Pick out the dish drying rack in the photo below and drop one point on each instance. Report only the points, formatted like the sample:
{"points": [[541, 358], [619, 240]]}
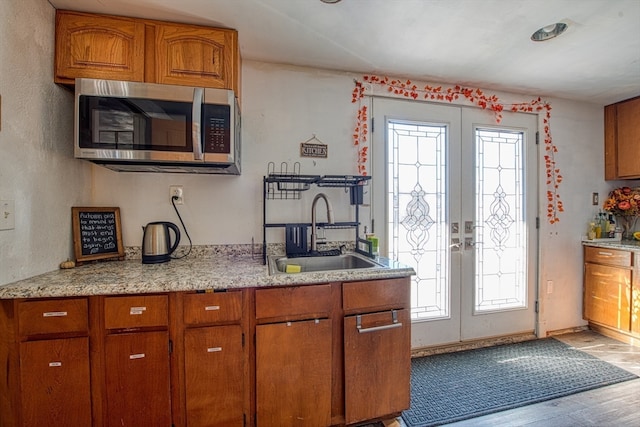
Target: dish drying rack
{"points": [[285, 185]]}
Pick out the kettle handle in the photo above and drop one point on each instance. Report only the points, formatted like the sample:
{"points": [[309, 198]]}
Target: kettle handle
{"points": [[176, 230]]}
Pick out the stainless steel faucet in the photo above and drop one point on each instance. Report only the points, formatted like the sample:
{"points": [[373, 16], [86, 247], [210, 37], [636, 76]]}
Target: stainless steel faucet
{"points": [[313, 217]]}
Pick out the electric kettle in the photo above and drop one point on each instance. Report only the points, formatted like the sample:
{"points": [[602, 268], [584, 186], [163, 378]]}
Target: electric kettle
{"points": [[156, 242]]}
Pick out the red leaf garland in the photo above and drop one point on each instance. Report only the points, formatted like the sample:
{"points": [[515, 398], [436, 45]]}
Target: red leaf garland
{"points": [[477, 97]]}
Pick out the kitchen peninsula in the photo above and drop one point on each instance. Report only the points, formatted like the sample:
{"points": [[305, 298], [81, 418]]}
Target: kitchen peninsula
{"points": [[205, 340]]}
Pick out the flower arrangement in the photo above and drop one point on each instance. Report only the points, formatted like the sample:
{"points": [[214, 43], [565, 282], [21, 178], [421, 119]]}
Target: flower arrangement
{"points": [[623, 202]]}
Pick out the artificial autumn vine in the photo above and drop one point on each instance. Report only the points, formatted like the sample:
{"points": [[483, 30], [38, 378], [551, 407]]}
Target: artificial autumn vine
{"points": [[477, 97]]}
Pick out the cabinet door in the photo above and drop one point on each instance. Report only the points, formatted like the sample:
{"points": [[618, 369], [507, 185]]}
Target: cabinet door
{"points": [[293, 374], [137, 379], [628, 138], [377, 352], [102, 47], [198, 56], [54, 375], [214, 376], [607, 292]]}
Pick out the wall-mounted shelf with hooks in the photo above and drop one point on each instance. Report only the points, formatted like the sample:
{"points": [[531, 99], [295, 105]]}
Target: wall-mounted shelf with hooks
{"points": [[285, 186]]}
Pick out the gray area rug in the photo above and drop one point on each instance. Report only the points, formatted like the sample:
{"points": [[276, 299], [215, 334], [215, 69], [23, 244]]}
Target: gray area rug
{"points": [[452, 387]]}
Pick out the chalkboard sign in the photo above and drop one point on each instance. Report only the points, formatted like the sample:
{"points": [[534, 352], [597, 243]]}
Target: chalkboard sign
{"points": [[96, 234]]}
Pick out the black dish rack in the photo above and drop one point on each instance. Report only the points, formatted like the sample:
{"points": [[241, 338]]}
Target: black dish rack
{"points": [[288, 186]]}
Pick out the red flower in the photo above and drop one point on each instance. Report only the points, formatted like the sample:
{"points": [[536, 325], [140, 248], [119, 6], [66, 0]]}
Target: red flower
{"points": [[624, 205]]}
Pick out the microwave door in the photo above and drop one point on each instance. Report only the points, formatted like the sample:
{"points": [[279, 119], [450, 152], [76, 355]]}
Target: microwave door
{"points": [[196, 128]]}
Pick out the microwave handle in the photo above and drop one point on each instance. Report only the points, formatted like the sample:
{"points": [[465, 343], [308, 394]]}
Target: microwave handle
{"points": [[196, 117]]}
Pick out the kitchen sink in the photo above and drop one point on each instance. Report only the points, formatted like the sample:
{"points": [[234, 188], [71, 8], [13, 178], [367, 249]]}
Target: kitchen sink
{"points": [[278, 264]]}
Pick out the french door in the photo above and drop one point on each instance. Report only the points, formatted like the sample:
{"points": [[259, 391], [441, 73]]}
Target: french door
{"points": [[455, 197]]}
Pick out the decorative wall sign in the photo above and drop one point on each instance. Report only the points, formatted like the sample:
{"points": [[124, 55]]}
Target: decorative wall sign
{"points": [[315, 148], [96, 234], [406, 89]]}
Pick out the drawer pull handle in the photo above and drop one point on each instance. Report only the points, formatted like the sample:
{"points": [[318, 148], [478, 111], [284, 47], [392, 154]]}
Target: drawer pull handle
{"points": [[212, 308], [136, 356], [605, 253], [394, 324], [213, 349], [55, 364], [54, 314], [137, 310]]}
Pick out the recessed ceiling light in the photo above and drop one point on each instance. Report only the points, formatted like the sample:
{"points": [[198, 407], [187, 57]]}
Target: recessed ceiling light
{"points": [[330, 1], [549, 32]]}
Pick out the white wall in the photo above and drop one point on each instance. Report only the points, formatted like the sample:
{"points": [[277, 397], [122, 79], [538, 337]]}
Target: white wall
{"points": [[281, 107], [37, 169]]}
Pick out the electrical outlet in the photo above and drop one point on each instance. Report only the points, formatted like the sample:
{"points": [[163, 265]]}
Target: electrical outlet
{"points": [[595, 199], [549, 286], [7, 214], [176, 191]]}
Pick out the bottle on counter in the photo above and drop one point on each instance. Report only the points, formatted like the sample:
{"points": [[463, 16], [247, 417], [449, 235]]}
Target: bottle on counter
{"points": [[612, 227], [591, 232], [598, 226]]}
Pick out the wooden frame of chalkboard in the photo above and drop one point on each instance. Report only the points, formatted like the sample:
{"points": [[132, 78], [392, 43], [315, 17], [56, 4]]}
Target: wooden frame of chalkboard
{"points": [[96, 234]]}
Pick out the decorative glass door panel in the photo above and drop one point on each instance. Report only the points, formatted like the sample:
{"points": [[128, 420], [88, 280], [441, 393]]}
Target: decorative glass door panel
{"points": [[500, 240], [416, 227], [458, 198]]}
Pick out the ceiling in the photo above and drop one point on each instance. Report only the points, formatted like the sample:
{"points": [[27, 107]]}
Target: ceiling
{"points": [[483, 44]]}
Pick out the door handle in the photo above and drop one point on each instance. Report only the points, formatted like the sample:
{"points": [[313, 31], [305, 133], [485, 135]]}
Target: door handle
{"points": [[455, 245], [196, 117]]}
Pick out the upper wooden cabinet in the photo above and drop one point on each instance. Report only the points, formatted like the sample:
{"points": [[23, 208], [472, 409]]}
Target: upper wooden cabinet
{"points": [[622, 140], [100, 47], [119, 48]]}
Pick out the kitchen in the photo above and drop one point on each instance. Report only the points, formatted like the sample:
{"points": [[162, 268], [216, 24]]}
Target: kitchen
{"points": [[282, 105]]}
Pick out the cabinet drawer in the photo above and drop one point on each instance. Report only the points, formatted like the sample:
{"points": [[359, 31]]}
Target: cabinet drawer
{"points": [[218, 307], [295, 302], [135, 311], [375, 295], [608, 256], [53, 316]]}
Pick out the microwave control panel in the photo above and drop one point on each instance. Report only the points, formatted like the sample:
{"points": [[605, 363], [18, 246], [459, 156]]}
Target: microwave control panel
{"points": [[217, 132]]}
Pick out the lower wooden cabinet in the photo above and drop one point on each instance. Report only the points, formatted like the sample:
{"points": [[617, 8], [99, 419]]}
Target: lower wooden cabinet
{"points": [[320, 355], [293, 374], [54, 380], [377, 355], [612, 291], [607, 292], [137, 379], [214, 376]]}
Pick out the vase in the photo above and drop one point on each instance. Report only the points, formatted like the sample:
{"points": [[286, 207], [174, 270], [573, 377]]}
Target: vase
{"points": [[628, 224]]}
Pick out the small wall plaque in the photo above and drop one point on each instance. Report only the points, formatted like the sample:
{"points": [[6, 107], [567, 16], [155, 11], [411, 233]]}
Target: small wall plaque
{"points": [[314, 150]]}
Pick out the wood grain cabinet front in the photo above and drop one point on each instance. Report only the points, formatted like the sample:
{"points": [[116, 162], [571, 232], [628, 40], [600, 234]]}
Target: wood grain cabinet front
{"points": [[377, 348], [622, 140], [611, 299], [44, 349], [137, 386], [294, 356], [131, 49], [214, 383], [100, 47]]}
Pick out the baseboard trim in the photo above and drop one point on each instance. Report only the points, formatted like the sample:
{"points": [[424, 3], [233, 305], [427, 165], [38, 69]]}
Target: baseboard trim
{"points": [[472, 344]]}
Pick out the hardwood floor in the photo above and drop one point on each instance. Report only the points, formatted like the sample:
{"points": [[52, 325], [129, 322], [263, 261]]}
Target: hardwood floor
{"points": [[611, 406]]}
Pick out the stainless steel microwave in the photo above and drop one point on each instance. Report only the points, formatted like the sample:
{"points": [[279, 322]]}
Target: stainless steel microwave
{"points": [[147, 127]]}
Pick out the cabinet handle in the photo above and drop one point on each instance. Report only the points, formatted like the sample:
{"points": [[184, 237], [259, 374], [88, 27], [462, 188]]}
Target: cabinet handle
{"points": [[605, 253], [136, 356], [137, 310], [54, 314], [395, 324], [213, 349], [212, 308], [55, 364]]}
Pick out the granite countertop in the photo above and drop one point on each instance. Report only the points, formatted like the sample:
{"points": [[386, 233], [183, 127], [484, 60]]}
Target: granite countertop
{"points": [[191, 273], [628, 245]]}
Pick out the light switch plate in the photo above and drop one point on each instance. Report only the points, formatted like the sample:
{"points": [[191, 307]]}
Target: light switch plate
{"points": [[7, 214]]}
